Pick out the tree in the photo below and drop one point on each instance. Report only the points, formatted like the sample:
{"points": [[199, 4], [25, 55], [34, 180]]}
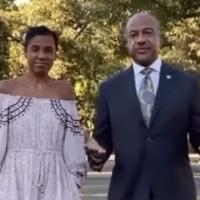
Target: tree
{"points": [[90, 47], [4, 40]]}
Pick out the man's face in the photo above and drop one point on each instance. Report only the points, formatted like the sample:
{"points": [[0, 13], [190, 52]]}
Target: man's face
{"points": [[40, 54], [143, 39]]}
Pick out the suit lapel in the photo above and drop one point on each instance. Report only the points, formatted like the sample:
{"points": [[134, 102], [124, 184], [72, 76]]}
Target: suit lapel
{"points": [[166, 84]]}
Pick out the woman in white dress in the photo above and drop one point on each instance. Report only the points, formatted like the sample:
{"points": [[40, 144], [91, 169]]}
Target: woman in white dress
{"points": [[42, 153]]}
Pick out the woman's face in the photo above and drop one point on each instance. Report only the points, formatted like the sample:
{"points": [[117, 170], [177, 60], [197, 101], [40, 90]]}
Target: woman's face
{"points": [[40, 54]]}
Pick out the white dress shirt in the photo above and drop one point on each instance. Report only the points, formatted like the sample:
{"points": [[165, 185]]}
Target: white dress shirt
{"points": [[155, 74]]}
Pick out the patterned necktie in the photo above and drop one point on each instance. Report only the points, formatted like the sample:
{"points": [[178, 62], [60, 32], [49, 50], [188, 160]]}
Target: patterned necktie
{"points": [[146, 95]]}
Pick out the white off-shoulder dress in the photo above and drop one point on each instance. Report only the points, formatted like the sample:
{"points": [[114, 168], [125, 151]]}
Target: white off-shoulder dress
{"points": [[42, 153]]}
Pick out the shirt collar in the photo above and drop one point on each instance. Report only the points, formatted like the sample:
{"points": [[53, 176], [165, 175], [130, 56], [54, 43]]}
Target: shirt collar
{"points": [[156, 66]]}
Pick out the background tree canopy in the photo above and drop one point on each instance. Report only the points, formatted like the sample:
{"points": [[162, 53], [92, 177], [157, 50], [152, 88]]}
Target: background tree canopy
{"points": [[91, 46]]}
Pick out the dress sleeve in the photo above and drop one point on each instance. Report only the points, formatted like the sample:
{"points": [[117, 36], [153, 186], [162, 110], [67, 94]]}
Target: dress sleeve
{"points": [[4, 124], [73, 149]]}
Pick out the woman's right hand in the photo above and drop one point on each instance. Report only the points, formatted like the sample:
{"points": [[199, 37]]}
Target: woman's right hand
{"points": [[92, 147], [96, 154]]}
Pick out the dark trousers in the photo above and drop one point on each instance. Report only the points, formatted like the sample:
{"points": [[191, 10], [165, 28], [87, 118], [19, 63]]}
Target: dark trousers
{"points": [[151, 196]]}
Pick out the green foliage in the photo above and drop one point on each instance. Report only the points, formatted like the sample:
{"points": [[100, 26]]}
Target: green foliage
{"points": [[6, 4], [90, 47], [4, 47], [185, 50]]}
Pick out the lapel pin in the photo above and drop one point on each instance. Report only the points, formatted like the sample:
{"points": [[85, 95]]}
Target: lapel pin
{"points": [[168, 77]]}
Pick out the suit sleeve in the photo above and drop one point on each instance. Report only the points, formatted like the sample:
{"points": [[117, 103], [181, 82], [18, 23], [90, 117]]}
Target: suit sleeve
{"points": [[194, 128], [102, 132]]}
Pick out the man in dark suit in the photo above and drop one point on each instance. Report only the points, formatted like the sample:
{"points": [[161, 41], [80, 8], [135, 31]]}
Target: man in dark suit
{"points": [[145, 114]]}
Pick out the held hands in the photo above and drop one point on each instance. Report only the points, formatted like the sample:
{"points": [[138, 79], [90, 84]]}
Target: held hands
{"points": [[92, 147], [96, 154]]}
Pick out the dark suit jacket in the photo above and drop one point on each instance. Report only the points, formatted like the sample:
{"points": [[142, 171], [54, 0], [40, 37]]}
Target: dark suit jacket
{"points": [[154, 158]]}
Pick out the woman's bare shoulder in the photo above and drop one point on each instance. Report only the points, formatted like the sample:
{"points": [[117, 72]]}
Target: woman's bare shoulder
{"points": [[7, 85], [66, 89]]}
